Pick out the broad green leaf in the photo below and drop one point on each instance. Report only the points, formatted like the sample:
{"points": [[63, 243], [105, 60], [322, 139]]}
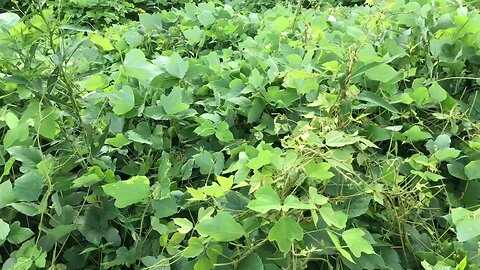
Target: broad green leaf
{"points": [[101, 41], [467, 223], [193, 35], [203, 263], [255, 112], [29, 186], [133, 38], [8, 20], [382, 73], [205, 162], [123, 100], [356, 243], [252, 262], [46, 122], [86, 180], [151, 22], [266, 199], [338, 246], [206, 129], [206, 18], [4, 230], [284, 232], [195, 247], [28, 209], [318, 171], [372, 98], [18, 234], [184, 225], [165, 207], [472, 170], [137, 66], [223, 133], [128, 192], [448, 153], [177, 66], [339, 139], [437, 93], [222, 227], [264, 157], [292, 202], [18, 134], [331, 217], [173, 104], [415, 134], [255, 79], [6, 194], [118, 141]]}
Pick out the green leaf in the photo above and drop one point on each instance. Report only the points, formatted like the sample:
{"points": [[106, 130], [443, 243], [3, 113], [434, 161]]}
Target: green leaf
{"points": [[339, 139], [165, 208], [263, 158], [118, 141], [284, 232], [4, 230], [472, 170], [382, 73], [195, 247], [8, 20], [292, 202], [266, 199], [173, 104], [372, 98], [206, 18], [193, 35], [18, 234], [18, 134], [223, 133], [331, 217], [222, 227], [128, 192], [123, 101], [415, 134], [184, 224], [137, 66], [356, 243], [46, 122], [338, 246], [252, 262], [255, 112], [437, 93], [6, 194], [318, 171], [467, 223], [206, 129], [29, 186], [448, 153], [176, 66], [151, 22], [255, 79]]}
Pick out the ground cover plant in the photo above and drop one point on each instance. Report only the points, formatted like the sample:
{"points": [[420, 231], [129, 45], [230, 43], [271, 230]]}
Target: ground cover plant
{"points": [[239, 135]]}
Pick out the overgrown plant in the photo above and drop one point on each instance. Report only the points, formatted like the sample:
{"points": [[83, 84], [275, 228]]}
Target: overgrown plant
{"points": [[216, 135]]}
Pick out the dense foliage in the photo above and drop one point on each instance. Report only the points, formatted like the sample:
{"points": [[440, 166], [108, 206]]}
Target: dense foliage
{"points": [[239, 135]]}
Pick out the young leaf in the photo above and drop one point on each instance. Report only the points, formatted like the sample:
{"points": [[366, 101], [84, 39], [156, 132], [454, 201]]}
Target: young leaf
{"points": [[437, 93], [222, 227], [193, 35], [266, 199], [356, 243], [128, 192], [284, 232]]}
